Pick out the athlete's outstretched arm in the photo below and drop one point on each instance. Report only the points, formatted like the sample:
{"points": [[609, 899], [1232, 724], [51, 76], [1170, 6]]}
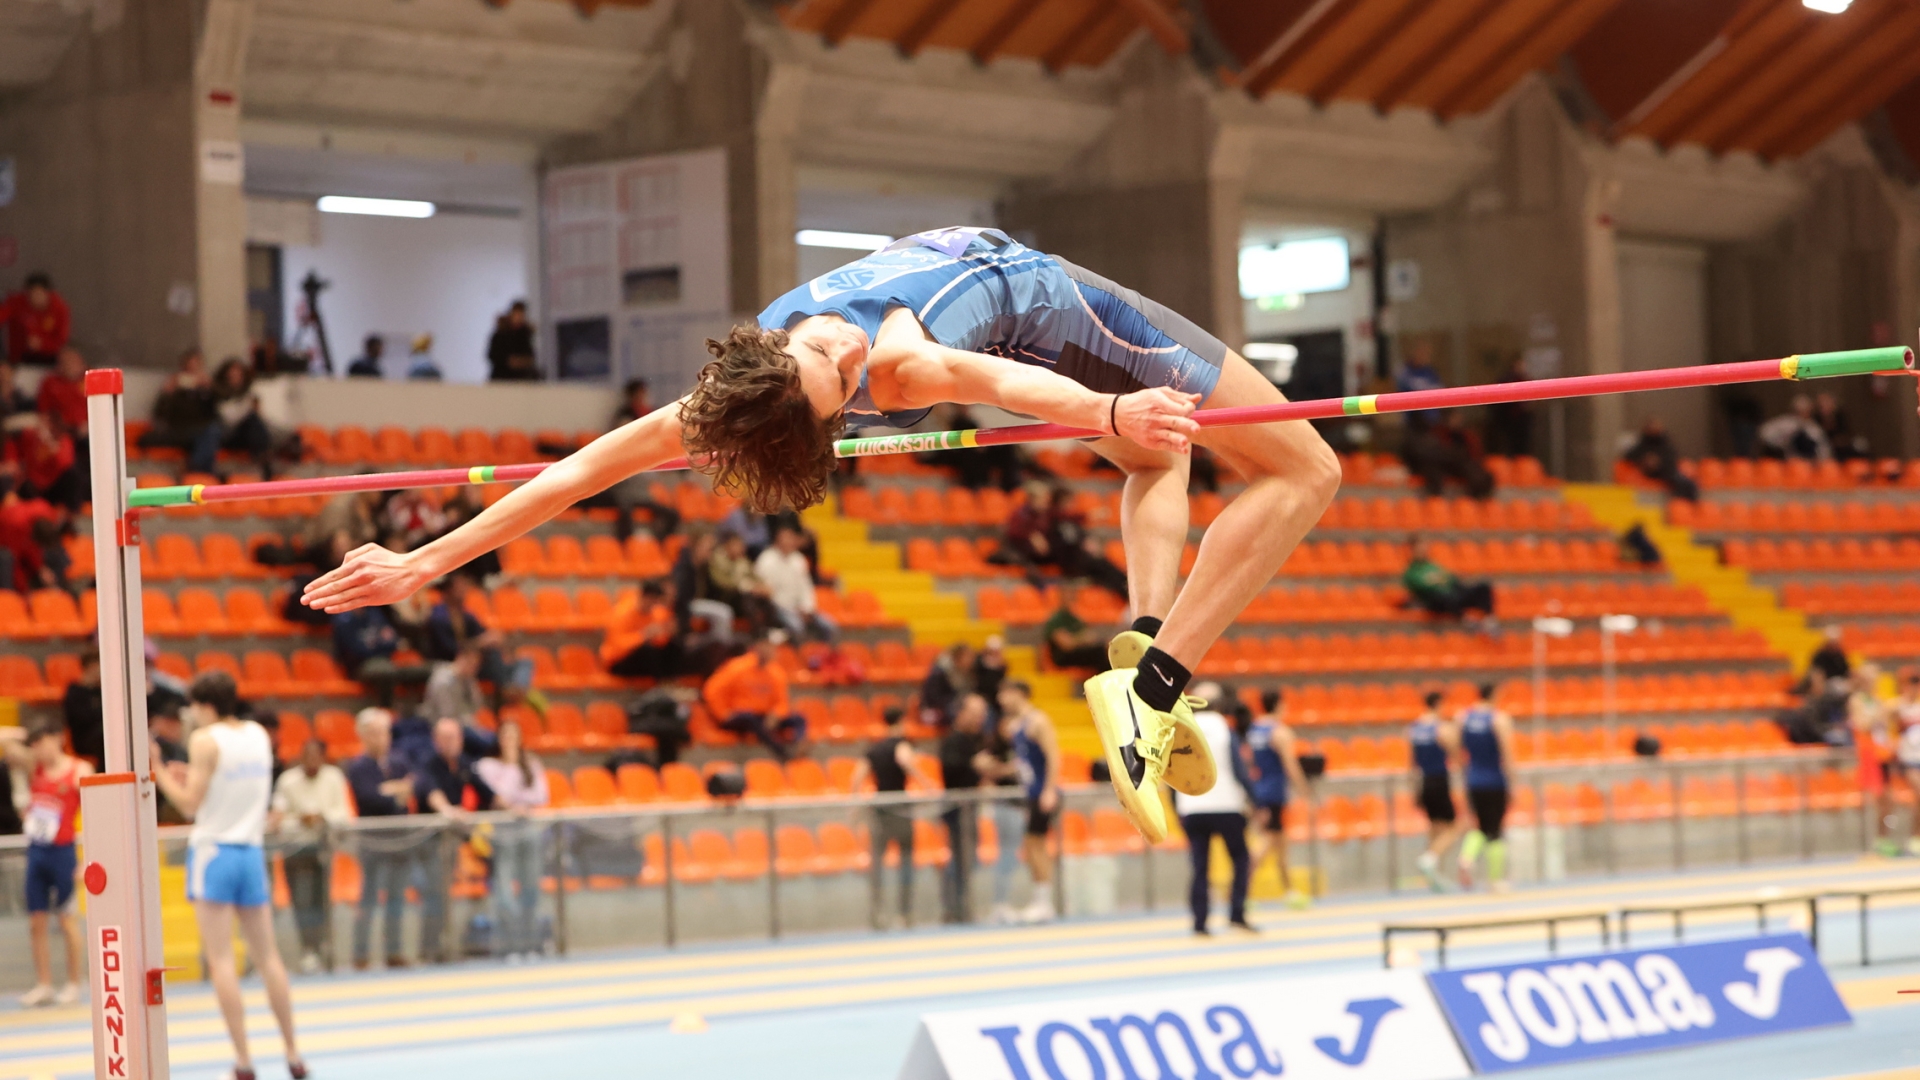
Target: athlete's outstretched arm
{"points": [[372, 575], [929, 373]]}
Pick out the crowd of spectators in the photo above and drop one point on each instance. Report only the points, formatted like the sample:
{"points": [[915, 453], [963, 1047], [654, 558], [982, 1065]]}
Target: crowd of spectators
{"points": [[44, 455]]}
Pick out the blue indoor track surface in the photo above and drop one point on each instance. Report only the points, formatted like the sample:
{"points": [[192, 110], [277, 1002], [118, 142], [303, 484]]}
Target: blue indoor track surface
{"points": [[845, 1008]]}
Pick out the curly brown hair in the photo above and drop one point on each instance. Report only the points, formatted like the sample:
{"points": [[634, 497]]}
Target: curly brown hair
{"points": [[749, 425]]}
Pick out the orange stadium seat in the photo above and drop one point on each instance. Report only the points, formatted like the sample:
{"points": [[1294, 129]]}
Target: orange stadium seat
{"points": [[637, 783]]}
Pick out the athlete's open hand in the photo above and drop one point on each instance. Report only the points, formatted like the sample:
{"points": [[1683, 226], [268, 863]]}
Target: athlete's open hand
{"points": [[1158, 418], [371, 576]]}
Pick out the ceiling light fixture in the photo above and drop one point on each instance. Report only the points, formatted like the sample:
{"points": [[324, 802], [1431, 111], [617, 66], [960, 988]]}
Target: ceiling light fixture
{"points": [[1831, 7], [354, 204]]}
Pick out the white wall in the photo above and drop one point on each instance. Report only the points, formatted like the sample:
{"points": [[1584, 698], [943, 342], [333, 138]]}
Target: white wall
{"points": [[449, 275], [1663, 312]]}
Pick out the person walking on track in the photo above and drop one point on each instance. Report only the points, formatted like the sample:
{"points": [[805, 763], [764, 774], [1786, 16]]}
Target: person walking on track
{"points": [[226, 789], [1434, 740], [1486, 734], [970, 316]]}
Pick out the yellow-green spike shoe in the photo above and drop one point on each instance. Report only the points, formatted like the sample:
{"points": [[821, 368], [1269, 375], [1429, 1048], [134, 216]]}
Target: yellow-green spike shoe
{"points": [[1190, 766]]}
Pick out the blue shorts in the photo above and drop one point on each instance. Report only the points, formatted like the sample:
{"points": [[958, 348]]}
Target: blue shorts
{"points": [[49, 877], [228, 874]]}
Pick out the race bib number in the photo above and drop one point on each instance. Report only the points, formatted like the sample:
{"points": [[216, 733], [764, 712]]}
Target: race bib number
{"points": [[42, 825]]}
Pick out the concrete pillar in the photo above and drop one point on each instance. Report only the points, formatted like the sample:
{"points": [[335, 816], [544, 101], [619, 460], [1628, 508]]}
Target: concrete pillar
{"points": [[104, 155], [776, 180], [220, 205], [1600, 260]]}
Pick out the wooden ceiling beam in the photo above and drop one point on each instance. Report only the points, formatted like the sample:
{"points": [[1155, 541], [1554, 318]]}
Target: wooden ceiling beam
{"points": [[995, 39], [1792, 73], [915, 37], [1515, 56], [840, 23], [1328, 86], [1762, 44], [1063, 50], [1273, 64], [1846, 104], [1416, 69], [1744, 18], [1161, 24], [1805, 104]]}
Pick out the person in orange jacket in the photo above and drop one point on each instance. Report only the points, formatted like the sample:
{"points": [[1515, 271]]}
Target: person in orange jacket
{"points": [[37, 322], [748, 696]]}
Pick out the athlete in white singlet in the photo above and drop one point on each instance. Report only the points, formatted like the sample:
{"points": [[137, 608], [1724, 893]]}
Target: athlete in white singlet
{"points": [[226, 789]]}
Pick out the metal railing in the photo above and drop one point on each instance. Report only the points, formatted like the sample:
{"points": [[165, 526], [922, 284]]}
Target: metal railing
{"points": [[664, 875]]}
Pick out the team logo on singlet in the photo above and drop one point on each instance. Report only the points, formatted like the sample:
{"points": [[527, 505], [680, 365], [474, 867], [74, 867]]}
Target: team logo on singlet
{"points": [[874, 271]]}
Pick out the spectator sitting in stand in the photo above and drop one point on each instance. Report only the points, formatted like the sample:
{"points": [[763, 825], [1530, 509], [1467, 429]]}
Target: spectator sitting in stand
{"points": [[413, 517], [731, 573], [1830, 659], [1438, 592], [453, 627], [184, 410], [789, 582], [1417, 373], [748, 696], [238, 424], [1833, 423], [635, 492], [41, 460], [367, 364], [364, 641], [1024, 541], [1440, 450], [83, 710], [1654, 455], [63, 394], [642, 636], [1073, 549], [453, 691], [1071, 643], [694, 597], [978, 467], [37, 322], [750, 527], [948, 680], [420, 363], [1795, 434], [510, 349], [31, 554], [1509, 427]]}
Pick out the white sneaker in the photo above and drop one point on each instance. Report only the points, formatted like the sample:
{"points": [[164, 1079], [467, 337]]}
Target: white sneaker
{"points": [[68, 995], [310, 963], [1429, 865], [1040, 911], [1003, 915], [37, 997]]}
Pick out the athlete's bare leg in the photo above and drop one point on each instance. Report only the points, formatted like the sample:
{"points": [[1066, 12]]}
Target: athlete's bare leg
{"points": [[216, 942], [256, 925], [1291, 476], [1153, 522]]}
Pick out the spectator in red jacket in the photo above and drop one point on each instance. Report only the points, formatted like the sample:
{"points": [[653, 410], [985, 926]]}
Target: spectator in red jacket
{"points": [[37, 322], [39, 460], [31, 554], [63, 392]]}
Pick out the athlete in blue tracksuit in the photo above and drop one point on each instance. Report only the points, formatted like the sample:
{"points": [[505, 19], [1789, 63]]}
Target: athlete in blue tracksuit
{"points": [[1433, 740], [1486, 736], [970, 316]]}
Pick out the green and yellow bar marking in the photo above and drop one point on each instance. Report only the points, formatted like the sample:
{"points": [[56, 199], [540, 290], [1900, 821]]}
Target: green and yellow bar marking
{"points": [[1365, 405]]}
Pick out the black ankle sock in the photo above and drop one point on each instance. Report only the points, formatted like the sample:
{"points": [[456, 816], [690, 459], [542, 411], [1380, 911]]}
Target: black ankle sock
{"points": [[1148, 625], [1160, 680]]}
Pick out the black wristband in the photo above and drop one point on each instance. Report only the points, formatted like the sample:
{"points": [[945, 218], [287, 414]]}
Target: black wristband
{"points": [[1113, 415]]}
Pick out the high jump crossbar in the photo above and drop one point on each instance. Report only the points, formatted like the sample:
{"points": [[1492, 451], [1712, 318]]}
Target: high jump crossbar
{"points": [[1883, 361]]}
